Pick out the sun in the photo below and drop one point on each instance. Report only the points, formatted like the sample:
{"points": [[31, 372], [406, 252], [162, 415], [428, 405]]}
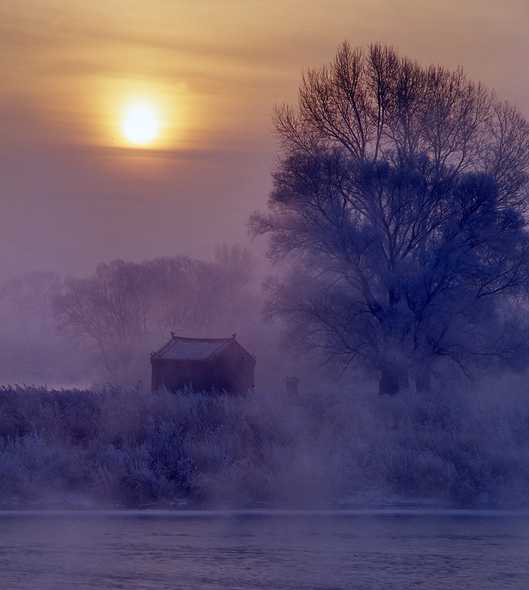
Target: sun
{"points": [[140, 124]]}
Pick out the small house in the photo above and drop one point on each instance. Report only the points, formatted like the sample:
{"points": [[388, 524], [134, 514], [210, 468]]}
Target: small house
{"points": [[203, 364]]}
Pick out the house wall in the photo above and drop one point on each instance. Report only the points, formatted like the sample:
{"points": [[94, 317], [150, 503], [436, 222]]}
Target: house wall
{"points": [[232, 372], [176, 375]]}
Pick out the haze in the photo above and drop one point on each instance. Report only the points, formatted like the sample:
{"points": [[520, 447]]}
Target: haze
{"points": [[75, 193]]}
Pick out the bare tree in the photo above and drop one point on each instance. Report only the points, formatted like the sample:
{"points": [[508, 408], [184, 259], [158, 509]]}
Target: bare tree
{"points": [[398, 197], [108, 312], [125, 307]]}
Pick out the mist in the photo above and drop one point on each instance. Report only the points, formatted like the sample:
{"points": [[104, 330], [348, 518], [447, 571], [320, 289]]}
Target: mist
{"points": [[349, 449], [100, 329], [80, 427], [106, 203], [398, 298]]}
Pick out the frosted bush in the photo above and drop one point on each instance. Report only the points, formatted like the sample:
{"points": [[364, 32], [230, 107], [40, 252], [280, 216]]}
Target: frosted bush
{"points": [[136, 448]]}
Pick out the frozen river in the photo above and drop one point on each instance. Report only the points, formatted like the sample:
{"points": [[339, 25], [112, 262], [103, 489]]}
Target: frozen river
{"points": [[352, 550]]}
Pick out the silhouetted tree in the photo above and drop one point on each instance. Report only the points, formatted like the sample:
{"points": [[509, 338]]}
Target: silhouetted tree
{"points": [[108, 312], [176, 291], [398, 197], [124, 308]]}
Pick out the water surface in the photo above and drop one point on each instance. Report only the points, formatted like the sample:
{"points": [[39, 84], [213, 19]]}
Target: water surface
{"points": [[352, 550]]}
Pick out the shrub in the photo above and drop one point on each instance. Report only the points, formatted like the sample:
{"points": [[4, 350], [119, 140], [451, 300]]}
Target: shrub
{"points": [[134, 448]]}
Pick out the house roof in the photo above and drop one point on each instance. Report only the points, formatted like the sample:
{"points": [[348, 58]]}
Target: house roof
{"points": [[192, 349]]}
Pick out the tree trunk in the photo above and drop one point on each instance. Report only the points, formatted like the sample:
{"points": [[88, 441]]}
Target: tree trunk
{"points": [[388, 384], [423, 381]]}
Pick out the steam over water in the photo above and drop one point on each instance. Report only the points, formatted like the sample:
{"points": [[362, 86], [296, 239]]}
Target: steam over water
{"points": [[258, 551]]}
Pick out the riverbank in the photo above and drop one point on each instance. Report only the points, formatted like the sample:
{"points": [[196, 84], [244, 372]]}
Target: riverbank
{"points": [[132, 449]]}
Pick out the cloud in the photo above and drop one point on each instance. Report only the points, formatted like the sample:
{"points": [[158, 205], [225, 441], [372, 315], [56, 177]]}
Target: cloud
{"points": [[217, 69]]}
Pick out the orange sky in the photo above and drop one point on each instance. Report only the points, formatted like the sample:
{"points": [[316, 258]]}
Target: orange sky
{"points": [[74, 193]]}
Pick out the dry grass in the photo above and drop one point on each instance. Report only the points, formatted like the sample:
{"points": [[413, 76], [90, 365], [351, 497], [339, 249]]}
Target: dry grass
{"points": [[135, 448]]}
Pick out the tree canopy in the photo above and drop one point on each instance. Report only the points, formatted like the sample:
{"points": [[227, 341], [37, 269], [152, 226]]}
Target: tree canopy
{"points": [[399, 199], [126, 307]]}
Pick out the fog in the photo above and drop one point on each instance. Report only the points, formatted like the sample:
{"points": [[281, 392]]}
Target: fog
{"points": [[465, 448], [80, 427], [397, 223], [75, 195], [100, 329], [67, 209]]}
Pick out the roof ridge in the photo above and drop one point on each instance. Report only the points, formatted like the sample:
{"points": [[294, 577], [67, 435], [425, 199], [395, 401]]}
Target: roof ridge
{"points": [[194, 348], [191, 339]]}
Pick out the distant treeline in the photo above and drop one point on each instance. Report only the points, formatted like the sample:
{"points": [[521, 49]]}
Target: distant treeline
{"points": [[102, 328], [133, 448]]}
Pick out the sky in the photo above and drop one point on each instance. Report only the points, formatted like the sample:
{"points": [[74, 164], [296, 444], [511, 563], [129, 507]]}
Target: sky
{"points": [[74, 192]]}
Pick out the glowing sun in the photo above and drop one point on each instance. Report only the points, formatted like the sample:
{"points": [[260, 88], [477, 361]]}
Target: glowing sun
{"points": [[140, 125]]}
